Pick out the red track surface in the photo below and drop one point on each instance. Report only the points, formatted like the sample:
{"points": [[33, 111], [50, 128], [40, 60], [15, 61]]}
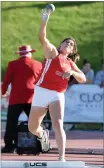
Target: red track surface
{"points": [[79, 143]]}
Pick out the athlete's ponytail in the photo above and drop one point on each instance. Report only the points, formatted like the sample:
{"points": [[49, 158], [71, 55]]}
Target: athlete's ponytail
{"points": [[75, 57]]}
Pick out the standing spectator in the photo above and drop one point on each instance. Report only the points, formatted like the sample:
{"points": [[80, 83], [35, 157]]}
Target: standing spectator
{"points": [[21, 74], [99, 78], [89, 73]]}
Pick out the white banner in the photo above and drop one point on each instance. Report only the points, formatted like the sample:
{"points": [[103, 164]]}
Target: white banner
{"points": [[42, 164], [84, 103], [4, 106]]}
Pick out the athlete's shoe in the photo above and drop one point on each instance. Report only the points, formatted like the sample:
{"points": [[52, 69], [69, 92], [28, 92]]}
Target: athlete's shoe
{"points": [[45, 136]]}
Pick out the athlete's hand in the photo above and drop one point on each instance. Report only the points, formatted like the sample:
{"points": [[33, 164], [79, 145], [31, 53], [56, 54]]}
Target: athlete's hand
{"points": [[45, 14], [66, 75]]}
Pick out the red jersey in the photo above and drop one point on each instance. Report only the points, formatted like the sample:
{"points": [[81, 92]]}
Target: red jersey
{"points": [[22, 74], [51, 76]]}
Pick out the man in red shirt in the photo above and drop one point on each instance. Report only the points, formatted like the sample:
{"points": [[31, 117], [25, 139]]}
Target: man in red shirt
{"points": [[22, 74]]}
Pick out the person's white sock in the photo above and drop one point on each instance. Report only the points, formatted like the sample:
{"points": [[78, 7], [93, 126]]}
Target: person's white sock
{"points": [[62, 159]]}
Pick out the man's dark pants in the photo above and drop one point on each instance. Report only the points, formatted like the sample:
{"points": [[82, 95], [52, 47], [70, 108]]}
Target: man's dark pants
{"points": [[14, 111]]}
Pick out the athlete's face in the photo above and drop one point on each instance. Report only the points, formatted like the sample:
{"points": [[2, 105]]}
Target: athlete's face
{"points": [[67, 47]]}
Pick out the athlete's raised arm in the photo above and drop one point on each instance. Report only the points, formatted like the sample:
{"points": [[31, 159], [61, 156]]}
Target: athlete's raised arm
{"points": [[49, 49]]}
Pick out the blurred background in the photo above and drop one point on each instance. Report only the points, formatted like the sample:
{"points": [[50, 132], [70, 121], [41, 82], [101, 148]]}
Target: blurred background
{"points": [[20, 22], [83, 21]]}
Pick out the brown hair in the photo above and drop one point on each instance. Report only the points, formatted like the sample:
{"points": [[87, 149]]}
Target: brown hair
{"points": [[75, 56]]}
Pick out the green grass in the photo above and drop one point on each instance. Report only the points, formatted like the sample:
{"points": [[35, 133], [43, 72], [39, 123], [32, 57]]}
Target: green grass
{"points": [[81, 20], [88, 126]]}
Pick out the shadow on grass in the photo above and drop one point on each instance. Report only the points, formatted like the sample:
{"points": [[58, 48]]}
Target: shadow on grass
{"points": [[42, 5]]}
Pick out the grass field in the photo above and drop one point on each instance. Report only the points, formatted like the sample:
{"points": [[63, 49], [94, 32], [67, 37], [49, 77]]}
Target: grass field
{"points": [[81, 20]]}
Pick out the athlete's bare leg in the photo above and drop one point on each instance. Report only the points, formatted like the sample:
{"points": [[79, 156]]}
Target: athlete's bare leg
{"points": [[56, 110], [36, 116]]}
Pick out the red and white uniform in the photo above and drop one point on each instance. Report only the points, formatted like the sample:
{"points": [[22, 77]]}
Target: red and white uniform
{"points": [[51, 76]]}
